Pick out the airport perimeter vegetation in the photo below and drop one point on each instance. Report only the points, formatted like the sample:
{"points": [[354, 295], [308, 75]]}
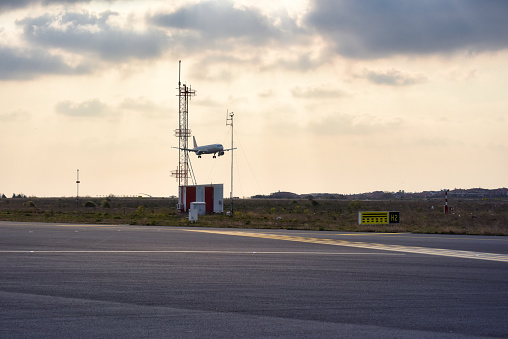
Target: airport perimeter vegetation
{"points": [[469, 214]]}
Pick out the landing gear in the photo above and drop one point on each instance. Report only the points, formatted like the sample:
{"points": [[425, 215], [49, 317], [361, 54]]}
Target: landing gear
{"points": [[199, 156], [214, 156]]}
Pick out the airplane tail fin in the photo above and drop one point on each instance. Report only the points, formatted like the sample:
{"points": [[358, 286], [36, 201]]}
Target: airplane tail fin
{"points": [[195, 144]]}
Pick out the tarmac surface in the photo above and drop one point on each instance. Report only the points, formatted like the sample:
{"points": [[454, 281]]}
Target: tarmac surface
{"points": [[75, 281]]}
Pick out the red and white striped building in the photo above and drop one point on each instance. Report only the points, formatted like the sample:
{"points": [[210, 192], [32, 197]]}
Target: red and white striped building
{"points": [[212, 195]]}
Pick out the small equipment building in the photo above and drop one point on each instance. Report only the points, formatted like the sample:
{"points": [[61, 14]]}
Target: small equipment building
{"points": [[212, 195]]}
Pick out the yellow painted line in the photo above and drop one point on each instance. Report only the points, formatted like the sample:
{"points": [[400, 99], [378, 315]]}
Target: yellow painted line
{"points": [[395, 248], [372, 233], [421, 236]]}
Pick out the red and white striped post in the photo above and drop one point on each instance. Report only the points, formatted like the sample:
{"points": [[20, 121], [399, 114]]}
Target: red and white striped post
{"points": [[446, 202]]}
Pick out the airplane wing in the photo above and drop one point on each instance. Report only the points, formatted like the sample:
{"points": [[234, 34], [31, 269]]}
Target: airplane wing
{"points": [[229, 149], [185, 149]]}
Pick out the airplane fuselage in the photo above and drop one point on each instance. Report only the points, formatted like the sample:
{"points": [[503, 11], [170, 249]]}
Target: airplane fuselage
{"points": [[208, 149]]}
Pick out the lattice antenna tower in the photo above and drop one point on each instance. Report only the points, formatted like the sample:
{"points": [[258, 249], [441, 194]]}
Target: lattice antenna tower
{"points": [[183, 132]]}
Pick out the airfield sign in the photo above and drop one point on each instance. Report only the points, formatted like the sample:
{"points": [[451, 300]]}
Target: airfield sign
{"points": [[376, 217]]}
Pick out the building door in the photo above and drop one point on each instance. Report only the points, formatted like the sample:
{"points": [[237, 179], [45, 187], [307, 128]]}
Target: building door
{"points": [[209, 199], [190, 196]]}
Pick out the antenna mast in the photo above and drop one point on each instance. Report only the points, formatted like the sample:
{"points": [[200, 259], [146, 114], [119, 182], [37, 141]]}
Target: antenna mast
{"points": [[229, 122], [183, 132]]}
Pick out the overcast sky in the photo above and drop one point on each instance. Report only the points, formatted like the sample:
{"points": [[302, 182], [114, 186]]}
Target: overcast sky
{"points": [[336, 96]]}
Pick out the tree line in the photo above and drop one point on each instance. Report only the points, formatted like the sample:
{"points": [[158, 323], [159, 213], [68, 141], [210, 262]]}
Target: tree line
{"points": [[15, 196]]}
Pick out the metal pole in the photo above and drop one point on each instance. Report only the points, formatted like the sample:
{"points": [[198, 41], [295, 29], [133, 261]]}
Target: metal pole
{"points": [[179, 169], [77, 189], [230, 118], [232, 152]]}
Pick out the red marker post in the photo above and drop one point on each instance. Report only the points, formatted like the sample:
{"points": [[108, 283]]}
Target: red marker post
{"points": [[446, 202]]}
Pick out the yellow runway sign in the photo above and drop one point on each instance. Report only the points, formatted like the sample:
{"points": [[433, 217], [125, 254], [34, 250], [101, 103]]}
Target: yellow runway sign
{"points": [[376, 217]]}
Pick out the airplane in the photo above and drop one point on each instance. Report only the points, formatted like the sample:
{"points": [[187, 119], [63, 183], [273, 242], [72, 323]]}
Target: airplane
{"points": [[207, 149]]}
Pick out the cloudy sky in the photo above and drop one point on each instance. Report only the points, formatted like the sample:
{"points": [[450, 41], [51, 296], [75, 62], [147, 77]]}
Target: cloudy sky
{"points": [[337, 96]]}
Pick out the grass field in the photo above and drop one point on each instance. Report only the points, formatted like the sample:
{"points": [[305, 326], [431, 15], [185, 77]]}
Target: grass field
{"points": [[418, 216]]}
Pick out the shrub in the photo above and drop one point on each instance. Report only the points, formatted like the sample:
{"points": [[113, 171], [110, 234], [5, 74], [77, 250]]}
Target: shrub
{"points": [[354, 206], [30, 204], [141, 210], [105, 204], [90, 204]]}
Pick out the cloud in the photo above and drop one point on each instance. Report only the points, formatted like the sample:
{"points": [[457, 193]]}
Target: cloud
{"points": [[216, 23], [460, 75], [19, 115], [298, 61], [144, 106], [376, 29], [90, 108], [92, 34], [140, 106], [7, 5], [317, 92], [267, 93], [27, 64], [392, 77], [342, 123], [49, 2], [225, 33], [218, 20]]}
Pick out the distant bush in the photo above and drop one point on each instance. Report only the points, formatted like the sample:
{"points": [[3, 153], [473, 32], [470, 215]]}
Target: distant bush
{"points": [[30, 204], [355, 206], [105, 204], [90, 204]]}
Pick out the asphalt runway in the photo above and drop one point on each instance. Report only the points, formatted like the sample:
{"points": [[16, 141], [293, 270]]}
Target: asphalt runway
{"points": [[79, 281]]}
